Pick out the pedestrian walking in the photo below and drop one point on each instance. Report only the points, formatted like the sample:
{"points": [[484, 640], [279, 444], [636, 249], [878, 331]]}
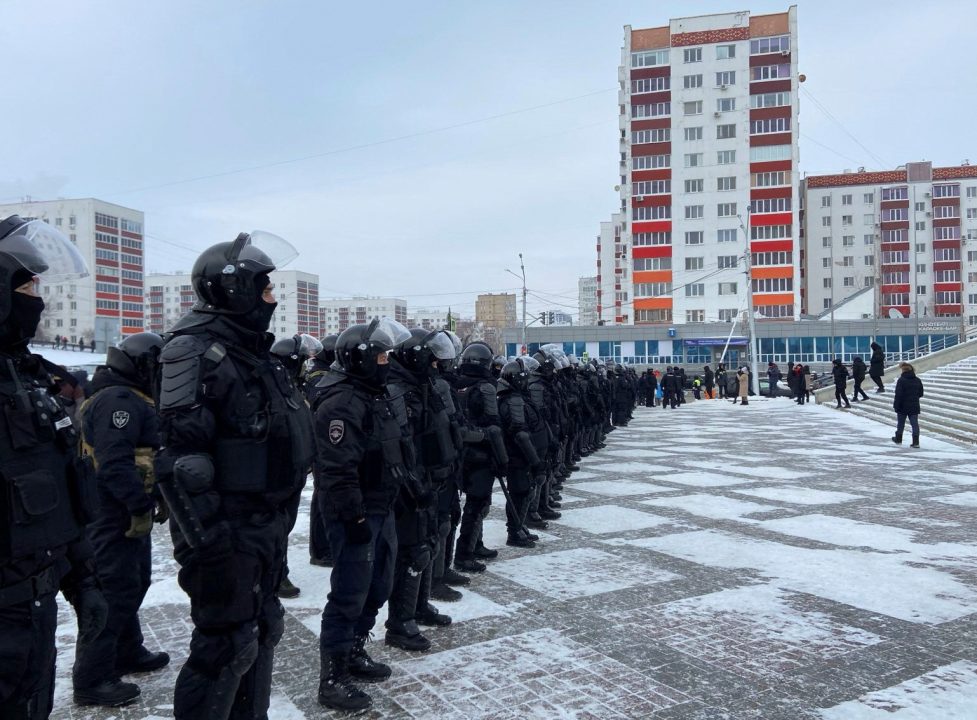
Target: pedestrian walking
{"points": [[743, 386], [796, 383], [709, 380], [840, 374], [773, 377], [808, 383], [909, 389], [877, 366], [858, 372]]}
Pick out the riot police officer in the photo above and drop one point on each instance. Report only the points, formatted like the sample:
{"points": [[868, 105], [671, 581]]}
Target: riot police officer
{"points": [[236, 445], [360, 466], [319, 553], [120, 432], [46, 492], [416, 400]]}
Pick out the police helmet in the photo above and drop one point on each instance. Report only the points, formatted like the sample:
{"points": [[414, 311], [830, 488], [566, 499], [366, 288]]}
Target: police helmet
{"points": [[498, 362], [358, 346], [136, 358], [477, 354], [516, 374], [422, 348], [32, 247], [228, 277], [328, 352]]}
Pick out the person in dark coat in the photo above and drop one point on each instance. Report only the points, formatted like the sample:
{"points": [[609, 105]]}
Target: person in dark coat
{"points": [[709, 380], [858, 372], [721, 381], [773, 377], [840, 374], [877, 366], [909, 389], [796, 382]]}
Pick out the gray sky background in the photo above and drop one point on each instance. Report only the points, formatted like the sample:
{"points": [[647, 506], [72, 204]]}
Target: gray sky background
{"points": [[414, 149]]}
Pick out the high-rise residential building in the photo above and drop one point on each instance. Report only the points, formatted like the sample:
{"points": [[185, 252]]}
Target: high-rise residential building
{"points": [[613, 280], [170, 296], [428, 319], [496, 310], [903, 232], [108, 303], [587, 301], [708, 156], [337, 314]]}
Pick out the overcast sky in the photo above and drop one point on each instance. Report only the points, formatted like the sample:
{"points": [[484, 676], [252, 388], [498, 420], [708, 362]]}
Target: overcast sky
{"points": [[414, 149]]}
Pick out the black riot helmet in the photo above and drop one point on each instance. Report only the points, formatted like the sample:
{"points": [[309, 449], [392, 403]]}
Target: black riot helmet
{"points": [[476, 355], [30, 248], [498, 362], [358, 346], [328, 353], [228, 277], [295, 351], [136, 358], [516, 374], [422, 348]]}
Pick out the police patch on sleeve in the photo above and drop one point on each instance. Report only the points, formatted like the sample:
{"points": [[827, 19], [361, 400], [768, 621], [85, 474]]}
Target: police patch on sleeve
{"points": [[337, 428], [120, 418]]}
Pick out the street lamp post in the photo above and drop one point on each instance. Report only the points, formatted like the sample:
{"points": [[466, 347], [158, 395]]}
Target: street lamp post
{"points": [[754, 350], [522, 269]]}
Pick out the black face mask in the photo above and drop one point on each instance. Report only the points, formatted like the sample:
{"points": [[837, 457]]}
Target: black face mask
{"points": [[380, 376], [21, 324], [258, 318]]}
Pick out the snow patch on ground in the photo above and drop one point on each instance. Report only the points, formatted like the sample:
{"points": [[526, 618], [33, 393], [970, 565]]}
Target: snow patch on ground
{"points": [[619, 488], [577, 573], [703, 479], [947, 693], [712, 506], [964, 499], [631, 468], [605, 519], [800, 495]]}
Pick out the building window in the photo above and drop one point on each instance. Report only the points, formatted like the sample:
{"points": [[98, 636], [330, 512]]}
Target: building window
{"points": [[726, 209], [770, 125], [695, 316], [770, 179], [775, 99], [727, 288], [869, 281], [941, 191], [652, 110], [868, 198], [692, 108], [647, 85], [770, 72], [692, 81], [693, 212], [764, 46], [694, 263], [848, 240], [920, 207], [868, 219], [658, 212], [649, 58], [726, 157], [727, 77], [693, 237], [971, 213], [921, 225], [846, 199], [725, 104], [692, 55], [826, 242], [826, 201], [770, 205], [946, 211], [651, 162], [725, 52], [655, 238], [826, 221], [693, 159], [694, 186], [726, 235], [724, 132], [972, 191], [695, 290], [693, 133], [827, 282], [825, 262], [895, 193], [728, 314], [727, 261], [870, 260], [652, 187], [726, 183]]}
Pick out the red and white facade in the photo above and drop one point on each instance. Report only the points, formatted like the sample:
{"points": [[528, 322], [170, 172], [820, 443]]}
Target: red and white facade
{"points": [[903, 232], [708, 155], [107, 304]]}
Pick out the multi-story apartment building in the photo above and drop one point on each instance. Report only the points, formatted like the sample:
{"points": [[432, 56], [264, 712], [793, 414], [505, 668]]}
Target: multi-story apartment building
{"points": [[708, 157], [429, 319], [108, 303], [904, 232], [496, 310], [170, 296], [613, 280], [337, 314], [587, 301]]}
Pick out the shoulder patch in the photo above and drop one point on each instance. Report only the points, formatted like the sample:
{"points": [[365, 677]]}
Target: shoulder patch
{"points": [[337, 429], [120, 418], [215, 353]]}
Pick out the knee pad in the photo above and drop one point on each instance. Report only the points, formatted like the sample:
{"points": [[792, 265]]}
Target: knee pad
{"points": [[418, 557]]}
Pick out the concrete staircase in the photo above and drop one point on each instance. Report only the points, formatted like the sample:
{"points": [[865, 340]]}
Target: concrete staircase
{"points": [[949, 406]]}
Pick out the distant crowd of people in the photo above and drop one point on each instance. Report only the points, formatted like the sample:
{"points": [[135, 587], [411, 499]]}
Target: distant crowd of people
{"points": [[62, 342]]}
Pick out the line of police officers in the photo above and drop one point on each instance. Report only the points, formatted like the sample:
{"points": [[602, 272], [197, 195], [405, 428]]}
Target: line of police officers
{"points": [[396, 424]]}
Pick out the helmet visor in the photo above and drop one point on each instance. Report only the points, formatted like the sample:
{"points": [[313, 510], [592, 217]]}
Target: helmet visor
{"points": [[44, 250], [388, 333], [456, 341], [308, 346], [275, 248], [442, 347], [531, 364]]}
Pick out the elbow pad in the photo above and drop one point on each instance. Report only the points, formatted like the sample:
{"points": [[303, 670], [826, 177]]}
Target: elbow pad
{"points": [[525, 444], [191, 497]]}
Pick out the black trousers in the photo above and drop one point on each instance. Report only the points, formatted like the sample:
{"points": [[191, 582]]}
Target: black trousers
{"points": [[360, 583], [27, 657], [318, 537], [124, 567], [858, 389], [232, 648], [477, 484]]}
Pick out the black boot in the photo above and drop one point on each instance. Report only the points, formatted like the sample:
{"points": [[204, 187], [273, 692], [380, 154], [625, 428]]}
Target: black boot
{"points": [[428, 615], [547, 513], [362, 667], [441, 591], [915, 440], [483, 553], [146, 662], [520, 541], [111, 693], [897, 438], [336, 688], [536, 522], [287, 589], [471, 565], [454, 578]]}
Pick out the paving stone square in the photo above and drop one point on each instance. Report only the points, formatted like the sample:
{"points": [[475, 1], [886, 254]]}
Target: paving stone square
{"points": [[686, 580]]}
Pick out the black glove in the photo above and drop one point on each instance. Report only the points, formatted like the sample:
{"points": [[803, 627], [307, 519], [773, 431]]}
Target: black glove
{"points": [[92, 612], [357, 531]]}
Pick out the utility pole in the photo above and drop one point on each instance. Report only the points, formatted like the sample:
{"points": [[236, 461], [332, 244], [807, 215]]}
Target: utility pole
{"points": [[522, 269], [754, 348]]}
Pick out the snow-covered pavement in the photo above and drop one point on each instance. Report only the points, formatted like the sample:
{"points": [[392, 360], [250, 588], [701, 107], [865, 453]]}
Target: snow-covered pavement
{"points": [[769, 561]]}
